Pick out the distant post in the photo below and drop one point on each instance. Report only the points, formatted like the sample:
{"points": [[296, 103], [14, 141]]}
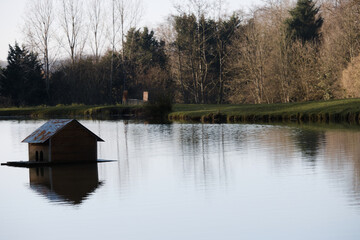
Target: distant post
{"points": [[145, 96], [125, 97]]}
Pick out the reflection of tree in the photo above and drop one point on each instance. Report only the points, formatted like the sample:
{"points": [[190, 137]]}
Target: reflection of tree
{"points": [[134, 145], [203, 151], [309, 142], [205, 155], [342, 158], [123, 159], [277, 142]]}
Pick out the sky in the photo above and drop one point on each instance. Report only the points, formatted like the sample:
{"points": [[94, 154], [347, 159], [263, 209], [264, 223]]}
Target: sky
{"points": [[156, 11]]}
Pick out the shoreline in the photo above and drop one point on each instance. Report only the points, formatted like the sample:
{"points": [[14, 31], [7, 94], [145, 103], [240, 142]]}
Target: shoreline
{"points": [[70, 111], [344, 110], [335, 111]]}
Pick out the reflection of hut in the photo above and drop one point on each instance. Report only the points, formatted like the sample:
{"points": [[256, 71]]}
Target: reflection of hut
{"points": [[64, 183], [62, 141]]}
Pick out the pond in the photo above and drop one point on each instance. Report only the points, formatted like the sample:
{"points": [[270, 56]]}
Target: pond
{"points": [[188, 181]]}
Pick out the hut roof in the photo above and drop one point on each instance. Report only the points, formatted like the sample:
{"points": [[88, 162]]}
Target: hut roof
{"points": [[49, 129]]}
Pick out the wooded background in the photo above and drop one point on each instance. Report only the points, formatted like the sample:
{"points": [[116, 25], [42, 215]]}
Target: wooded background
{"points": [[90, 52]]}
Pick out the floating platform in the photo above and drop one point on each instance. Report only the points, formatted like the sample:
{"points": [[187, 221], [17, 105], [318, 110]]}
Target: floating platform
{"points": [[27, 164]]}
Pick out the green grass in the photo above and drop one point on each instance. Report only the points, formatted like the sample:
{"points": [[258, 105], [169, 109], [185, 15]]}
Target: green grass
{"points": [[346, 110], [328, 111], [74, 110]]}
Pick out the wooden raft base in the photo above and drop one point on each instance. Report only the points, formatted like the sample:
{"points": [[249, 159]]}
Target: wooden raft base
{"points": [[28, 164]]}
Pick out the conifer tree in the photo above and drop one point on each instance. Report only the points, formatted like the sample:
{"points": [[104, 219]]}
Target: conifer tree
{"points": [[23, 80], [304, 23]]}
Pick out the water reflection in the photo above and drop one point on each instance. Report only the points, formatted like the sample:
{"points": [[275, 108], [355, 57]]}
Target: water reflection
{"points": [[342, 154], [203, 154], [65, 184], [192, 181], [209, 153], [308, 142]]}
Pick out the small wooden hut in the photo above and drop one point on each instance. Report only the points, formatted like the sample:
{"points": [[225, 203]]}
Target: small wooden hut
{"points": [[62, 141]]}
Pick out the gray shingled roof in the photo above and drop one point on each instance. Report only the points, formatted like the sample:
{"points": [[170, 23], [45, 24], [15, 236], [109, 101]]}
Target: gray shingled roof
{"points": [[49, 129]]}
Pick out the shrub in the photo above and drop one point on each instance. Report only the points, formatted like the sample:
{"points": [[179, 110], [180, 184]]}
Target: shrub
{"points": [[158, 108]]}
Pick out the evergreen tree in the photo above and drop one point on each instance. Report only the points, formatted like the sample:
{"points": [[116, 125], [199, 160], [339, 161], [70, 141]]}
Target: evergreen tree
{"points": [[304, 23], [225, 36], [202, 47], [144, 57], [23, 80], [196, 47], [141, 48]]}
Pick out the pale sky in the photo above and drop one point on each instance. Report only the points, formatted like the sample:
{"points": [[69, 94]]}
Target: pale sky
{"points": [[155, 11]]}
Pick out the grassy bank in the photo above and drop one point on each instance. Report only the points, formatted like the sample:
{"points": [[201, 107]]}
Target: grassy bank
{"points": [[324, 111], [347, 110], [74, 110]]}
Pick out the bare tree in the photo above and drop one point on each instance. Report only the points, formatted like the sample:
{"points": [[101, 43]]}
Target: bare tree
{"points": [[196, 7], [195, 13], [125, 14], [341, 33], [276, 11], [129, 14], [97, 18], [254, 54], [39, 29], [225, 33], [73, 28], [259, 58]]}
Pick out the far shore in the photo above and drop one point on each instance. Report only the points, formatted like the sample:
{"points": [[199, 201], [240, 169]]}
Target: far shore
{"points": [[344, 110]]}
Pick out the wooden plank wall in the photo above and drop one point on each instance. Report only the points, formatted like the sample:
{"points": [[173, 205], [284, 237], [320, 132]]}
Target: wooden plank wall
{"points": [[33, 147], [73, 143]]}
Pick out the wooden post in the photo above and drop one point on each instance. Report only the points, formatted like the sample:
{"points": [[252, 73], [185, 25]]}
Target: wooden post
{"points": [[145, 96], [125, 97]]}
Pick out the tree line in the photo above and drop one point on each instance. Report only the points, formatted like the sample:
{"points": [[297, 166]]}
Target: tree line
{"points": [[279, 52]]}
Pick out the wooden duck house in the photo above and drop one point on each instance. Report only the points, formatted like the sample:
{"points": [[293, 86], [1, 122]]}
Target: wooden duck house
{"points": [[62, 141]]}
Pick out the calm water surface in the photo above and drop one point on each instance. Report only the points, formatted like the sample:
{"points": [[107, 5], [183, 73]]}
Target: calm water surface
{"points": [[187, 181]]}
